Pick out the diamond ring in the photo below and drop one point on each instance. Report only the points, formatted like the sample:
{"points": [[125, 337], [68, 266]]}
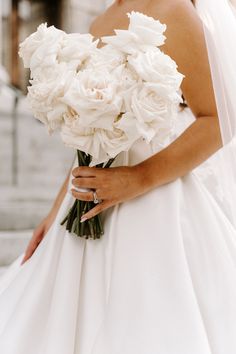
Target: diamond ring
{"points": [[95, 198]]}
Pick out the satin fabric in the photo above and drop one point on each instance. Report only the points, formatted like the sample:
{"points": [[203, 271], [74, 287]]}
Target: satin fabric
{"points": [[161, 280]]}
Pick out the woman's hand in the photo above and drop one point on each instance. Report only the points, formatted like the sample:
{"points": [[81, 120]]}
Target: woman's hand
{"points": [[44, 226], [113, 185], [38, 236]]}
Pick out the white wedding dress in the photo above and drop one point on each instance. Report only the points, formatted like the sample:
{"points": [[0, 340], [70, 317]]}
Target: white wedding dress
{"points": [[161, 280]]}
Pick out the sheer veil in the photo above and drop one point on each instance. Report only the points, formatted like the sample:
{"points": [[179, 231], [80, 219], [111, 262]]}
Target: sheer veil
{"points": [[219, 21]]}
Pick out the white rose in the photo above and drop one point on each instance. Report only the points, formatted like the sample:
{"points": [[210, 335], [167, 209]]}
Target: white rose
{"points": [[149, 30], [101, 144], [144, 32], [115, 141], [41, 47], [128, 78], [154, 111], [82, 138], [44, 97], [93, 96], [155, 66], [107, 57], [127, 123], [76, 49], [127, 83]]}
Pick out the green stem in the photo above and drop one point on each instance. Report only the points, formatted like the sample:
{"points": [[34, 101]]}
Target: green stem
{"points": [[91, 228], [109, 163], [82, 158]]}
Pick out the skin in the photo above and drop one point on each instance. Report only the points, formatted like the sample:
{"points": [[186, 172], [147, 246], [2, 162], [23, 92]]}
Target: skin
{"points": [[186, 45], [46, 223]]}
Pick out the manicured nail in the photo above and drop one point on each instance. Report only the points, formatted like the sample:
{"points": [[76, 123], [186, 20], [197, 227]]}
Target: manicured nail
{"points": [[83, 219]]}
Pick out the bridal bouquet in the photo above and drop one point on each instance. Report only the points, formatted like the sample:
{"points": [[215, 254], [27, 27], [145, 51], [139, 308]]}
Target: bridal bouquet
{"points": [[102, 99]]}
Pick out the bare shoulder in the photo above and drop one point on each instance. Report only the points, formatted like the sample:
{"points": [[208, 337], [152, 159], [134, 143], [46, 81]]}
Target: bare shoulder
{"points": [[186, 44], [180, 17], [171, 8], [185, 36], [114, 17]]}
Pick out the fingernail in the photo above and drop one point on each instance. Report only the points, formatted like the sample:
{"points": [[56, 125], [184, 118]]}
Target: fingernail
{"points": [[83, 219]]}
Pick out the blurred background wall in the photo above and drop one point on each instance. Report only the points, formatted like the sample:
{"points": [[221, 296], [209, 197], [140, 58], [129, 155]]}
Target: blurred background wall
{"points": [[32, 164]]}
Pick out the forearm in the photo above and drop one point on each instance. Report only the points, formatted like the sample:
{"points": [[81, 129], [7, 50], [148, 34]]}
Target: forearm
{"points": [[194, 146]]}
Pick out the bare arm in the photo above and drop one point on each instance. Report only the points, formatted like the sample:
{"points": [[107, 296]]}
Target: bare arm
{"points": [[61, 194], [186, 45], [193, 147]]}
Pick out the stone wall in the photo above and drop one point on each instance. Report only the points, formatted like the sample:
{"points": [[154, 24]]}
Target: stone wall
{"points": [[29, 179]]}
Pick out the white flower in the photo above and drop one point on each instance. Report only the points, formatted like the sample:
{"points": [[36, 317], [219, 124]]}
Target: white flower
{"points": [[149, 30], [82, 138], [128, 78], [44, 97], [101, 144], [154, 111], [76, 49], [41, 47], [115, 141], [96, 125], [106, 57], [49, 46], [144, 32], [155, 66], [93, 96], [103, 100]]}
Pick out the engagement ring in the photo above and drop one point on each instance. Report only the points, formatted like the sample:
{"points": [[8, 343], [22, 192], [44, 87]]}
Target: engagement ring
{"points": [[95, 198]]}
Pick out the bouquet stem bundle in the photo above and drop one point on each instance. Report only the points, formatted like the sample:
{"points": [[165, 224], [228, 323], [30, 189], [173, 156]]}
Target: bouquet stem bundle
{"points": [[93, 227]]}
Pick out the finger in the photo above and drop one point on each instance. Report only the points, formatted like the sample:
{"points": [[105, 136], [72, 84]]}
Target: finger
{"points": [[85, 196], [31, 249], [28, 254], [85, 171], [85, 182], [36, 239], [96, 210], [23, 260], [26, 258]]}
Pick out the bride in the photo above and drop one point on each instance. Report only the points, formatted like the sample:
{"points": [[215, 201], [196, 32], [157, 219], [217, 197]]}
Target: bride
{"points": [[162, 279]]}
